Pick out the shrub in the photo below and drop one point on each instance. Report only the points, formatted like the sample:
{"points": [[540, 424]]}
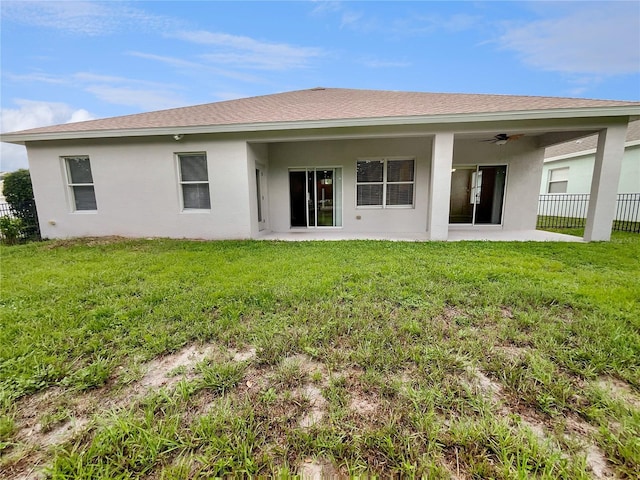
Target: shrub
{"points": [[11, 229], [18, 191]]}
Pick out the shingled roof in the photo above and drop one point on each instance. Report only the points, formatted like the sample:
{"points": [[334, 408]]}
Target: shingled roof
{"points": [[588, 144], [326, 104]]}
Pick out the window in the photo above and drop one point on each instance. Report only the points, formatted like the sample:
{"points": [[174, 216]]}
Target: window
{"points": [[194, 180], [80, 181], [558, 180], [385, 182]]}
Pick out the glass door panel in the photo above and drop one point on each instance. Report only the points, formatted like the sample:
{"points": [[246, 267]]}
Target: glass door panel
{"points": [[462, 195], [311, 204], [324, 198], [298, 198], [316, 197], [490, 195]]}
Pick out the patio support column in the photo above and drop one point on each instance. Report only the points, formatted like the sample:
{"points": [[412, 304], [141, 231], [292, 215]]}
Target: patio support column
{"points": [[440, 187], [604, 185]]}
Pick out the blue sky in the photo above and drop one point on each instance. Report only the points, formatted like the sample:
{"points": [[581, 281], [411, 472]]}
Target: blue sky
{"points": [[69, 61]]}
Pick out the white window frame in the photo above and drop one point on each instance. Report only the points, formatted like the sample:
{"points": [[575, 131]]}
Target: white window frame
{"points": [[181, 182], [565, 180], [385, 182], [71, 185]]}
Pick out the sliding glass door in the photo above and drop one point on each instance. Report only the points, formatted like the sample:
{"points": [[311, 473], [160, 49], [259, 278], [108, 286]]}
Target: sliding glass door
{"points": [[477, 195], [315, 196]]}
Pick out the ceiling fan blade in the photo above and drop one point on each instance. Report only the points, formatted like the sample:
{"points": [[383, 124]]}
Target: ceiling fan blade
{"points": [[503, 138]]}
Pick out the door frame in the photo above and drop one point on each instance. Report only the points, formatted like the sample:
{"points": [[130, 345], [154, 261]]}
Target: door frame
{"points": [[260, 197], [474, 189], [336, 204]]}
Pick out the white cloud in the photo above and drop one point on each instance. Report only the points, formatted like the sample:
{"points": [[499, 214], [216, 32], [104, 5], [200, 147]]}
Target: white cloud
{"points": [[351, 18], [81, 115], [414, 24], [348, 17], [188, 65], [430, 24], [37, 77], [595, 39], [142, 94], [250, 53], [375, 63], [254, 61], [32, 114], [322, 7], [84, 18], [134, 97]]}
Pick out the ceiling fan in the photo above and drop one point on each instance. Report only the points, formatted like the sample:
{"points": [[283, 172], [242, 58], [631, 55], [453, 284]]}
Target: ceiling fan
{"points": [[503, 138]]}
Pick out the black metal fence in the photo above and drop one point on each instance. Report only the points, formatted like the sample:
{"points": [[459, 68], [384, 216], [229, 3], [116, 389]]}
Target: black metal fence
{"points": [[569, 210], [5, 210]]}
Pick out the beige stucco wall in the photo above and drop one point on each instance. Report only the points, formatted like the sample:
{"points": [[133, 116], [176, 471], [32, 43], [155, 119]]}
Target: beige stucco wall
{"points": [[138, 194], [137, 190], [344, 154]]}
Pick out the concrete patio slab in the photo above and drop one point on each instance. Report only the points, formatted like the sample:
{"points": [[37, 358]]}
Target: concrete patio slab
{"points": [[496, 235], [455, 235]]}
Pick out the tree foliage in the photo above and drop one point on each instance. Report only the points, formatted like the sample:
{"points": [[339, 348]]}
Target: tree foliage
{"points": [[18, 191], [17, 188]]}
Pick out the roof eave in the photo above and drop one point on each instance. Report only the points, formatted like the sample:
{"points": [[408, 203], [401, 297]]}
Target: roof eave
{"points": [[631, 111], [584, 153]]}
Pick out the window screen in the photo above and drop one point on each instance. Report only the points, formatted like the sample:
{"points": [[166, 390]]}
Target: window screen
{"points": [[194, 179], [558, 180], [80, 181]]}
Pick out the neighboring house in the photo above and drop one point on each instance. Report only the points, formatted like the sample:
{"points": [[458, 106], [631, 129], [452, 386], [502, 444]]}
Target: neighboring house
{"points": [[568, 168], [320, 160]]}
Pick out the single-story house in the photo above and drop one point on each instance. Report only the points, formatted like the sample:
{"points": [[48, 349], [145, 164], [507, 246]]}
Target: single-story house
{"points": [[320, 160], [568, 167]]}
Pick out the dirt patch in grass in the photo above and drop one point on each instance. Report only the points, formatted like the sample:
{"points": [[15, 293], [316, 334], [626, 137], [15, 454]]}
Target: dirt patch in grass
{"points": [[84, 241], [61, 434], [451, 464], [318, 406], [598, 463], [36, 433], [159, 371], [542, 427], [619, 390], [576, 425], [317, 469], [511, 351], [364, 405], [506, 312], [490, 387], [30, 409], [243, 355]]}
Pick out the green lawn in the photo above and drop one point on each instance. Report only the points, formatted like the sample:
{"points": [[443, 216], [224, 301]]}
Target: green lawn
{"points": [[184, 359]]}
